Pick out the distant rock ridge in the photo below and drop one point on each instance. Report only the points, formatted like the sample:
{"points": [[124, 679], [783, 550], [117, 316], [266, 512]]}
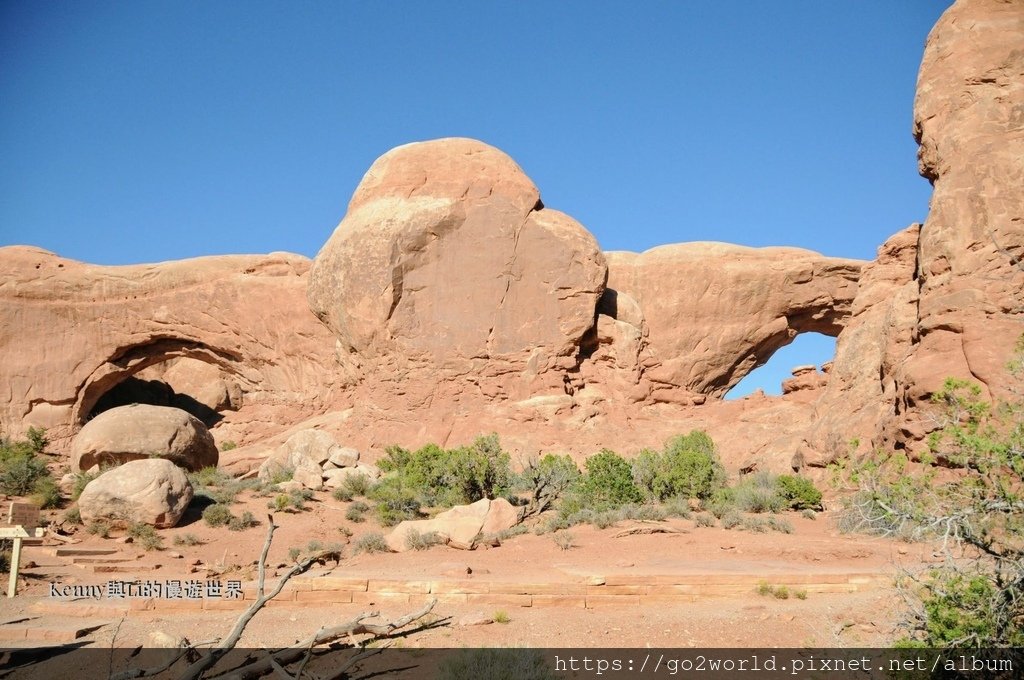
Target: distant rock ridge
{"points": [[450, 302]]}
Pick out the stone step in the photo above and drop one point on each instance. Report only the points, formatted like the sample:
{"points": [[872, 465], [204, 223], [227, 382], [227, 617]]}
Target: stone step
{"points": [[101, 560], [42, 630], [66, 551], [107, 568], [83, 608]]}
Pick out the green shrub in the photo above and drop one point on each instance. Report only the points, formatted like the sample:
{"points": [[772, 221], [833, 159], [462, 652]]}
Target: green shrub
{"points": [[372, 542], [436, 477], [809, 514], [82, 480], [799, 492], [677, 507], [752, 524], [187, 539], [280, 502], [37, 439], [20, 469], [607, 484], [757, 493], [395, 501], [547, 480], [45, 493], [342, 494], [501, 616], [217, 515], [687, 467], [229, 445], [73, 516], [779, 524]]}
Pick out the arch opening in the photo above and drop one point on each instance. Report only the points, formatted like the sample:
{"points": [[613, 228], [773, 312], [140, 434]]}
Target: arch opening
{"points": [[164, 372], [809, 349]]}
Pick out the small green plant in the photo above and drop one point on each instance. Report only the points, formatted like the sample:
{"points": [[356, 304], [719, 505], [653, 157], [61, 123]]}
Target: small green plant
{"points": [[293, 554], [229, 445], [809, 514], [82, 480], [280, 502], [357, 484], [781, 593], [511, 532], [754, 525], [764, 588], [37, 439], [356, 512], [297, 498], [564, 540], [281, 475], [246, 521], [187, 540], [779, 524], [800, 594], [501, 616], [342, 494], [217, 515], [778, 592], [145, 536], [372, 542], [73, 516]]}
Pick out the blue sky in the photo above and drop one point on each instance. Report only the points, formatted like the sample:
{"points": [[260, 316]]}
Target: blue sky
{"points": [[147, 131]]}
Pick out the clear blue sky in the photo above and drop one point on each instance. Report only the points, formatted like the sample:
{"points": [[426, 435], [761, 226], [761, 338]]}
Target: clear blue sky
{"points": [[146, 131]]}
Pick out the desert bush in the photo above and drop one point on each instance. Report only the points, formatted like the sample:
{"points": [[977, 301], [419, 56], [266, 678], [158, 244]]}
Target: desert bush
{"points": [[356, 512], [564, 540], [511, 532], [677, 507], [501, 616], [976, 599], [731, 519], [217, 515], [45, 493], [809, 514], [778, 592], [754, 525], [799, 492], [757, 493], [704, 519], [372, 542], [187, 540], [607, 484], [342, 494], [209, 476], [547, 480], [99, 528], [73, 516], [280, 503], [687, 467], [416, 540], [436, 477], [21, 469], [779, 524], [395, 501], [496, 664], [246, 521], [357, 484], [145, 536], [37, 439], [82, 480], [229, 445]]}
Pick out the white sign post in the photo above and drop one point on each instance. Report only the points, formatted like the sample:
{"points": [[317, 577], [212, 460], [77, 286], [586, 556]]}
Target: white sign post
{"points": [[21, 518]]}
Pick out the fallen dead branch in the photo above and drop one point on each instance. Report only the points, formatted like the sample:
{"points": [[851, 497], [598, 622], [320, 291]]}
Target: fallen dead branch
{"points": [[647, 530], [207, 658]]}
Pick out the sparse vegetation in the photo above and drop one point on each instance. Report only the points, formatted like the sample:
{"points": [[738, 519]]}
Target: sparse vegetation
{"points": [[73, 516], [415, 540], [356, 512], [187, 540], [372, 542], [145, 536], [564, 540], [765, 589], [99, 528], [501, 616], [229, 445], [45, 493], [246, 521], [704, 519], [976, 598], [395, 501]]}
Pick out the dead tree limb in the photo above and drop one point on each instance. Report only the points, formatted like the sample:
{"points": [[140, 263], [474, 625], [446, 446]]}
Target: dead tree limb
{"points": [[357, 626]]}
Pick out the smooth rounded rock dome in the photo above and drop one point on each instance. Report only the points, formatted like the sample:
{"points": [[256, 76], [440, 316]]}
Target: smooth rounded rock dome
{"points": [[154, 492]]}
